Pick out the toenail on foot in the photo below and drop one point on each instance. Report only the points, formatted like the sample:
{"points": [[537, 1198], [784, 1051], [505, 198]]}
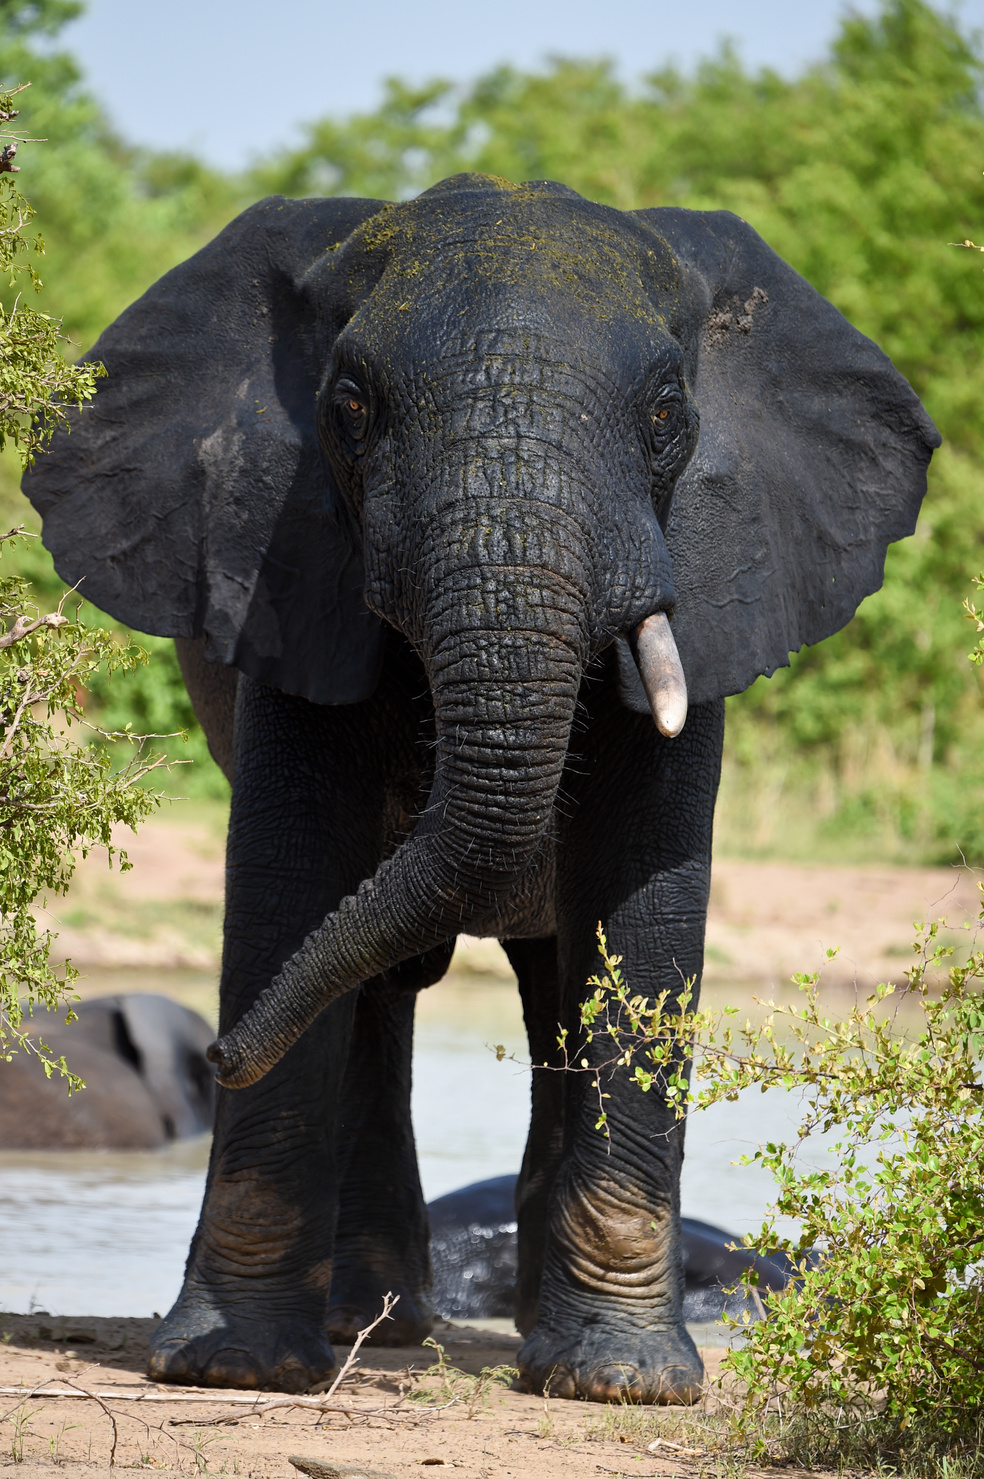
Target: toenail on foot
{"points": [[677, 1387], [232, 1368], [615, 1383], [560, 1383], [169, 1362]]}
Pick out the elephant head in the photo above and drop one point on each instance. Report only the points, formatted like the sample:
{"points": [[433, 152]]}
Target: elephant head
{"points": [[518, 427]]}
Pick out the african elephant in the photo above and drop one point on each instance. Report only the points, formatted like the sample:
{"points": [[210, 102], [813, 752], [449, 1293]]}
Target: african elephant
{"points": [[147, 1081], [428, 475]]}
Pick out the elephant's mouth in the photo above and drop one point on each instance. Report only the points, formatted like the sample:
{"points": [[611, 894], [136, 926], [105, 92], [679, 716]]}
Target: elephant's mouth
{"points": [[661, 671]]}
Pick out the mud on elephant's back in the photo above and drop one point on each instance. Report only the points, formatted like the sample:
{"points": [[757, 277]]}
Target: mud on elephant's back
{"points": [[142, 1059]]}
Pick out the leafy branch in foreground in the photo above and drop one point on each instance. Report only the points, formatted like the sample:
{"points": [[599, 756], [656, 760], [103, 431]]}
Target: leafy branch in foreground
{"points": [[59, 796], [974, 614], [36, 383], [881, 1336], [453, 1386]]}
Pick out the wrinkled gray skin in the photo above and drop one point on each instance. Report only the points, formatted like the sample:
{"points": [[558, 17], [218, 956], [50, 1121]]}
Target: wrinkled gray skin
{"points": [[476, 415], [474, 1253], [142, 1058]]}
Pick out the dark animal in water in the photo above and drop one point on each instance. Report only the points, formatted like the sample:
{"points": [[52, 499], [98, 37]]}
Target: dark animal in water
{"points": [[142, 1057], [474, 1253]]}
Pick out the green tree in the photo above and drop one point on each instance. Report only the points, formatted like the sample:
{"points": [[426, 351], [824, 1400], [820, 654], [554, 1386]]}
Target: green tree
{"points": [[115, 218], [58, 795]]}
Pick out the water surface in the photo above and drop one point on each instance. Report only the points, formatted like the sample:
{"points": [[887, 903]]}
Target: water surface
{"points": [[107, 1234]]}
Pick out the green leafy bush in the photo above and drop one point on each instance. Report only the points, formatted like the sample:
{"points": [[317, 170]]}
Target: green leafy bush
{"points": [[36, 384], [875, 1350], [58, 795]]}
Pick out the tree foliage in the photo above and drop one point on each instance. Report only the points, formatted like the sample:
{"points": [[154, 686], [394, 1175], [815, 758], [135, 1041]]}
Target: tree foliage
{"points": [[36, 384], [115, 218], [58, 795], [37, 17]]}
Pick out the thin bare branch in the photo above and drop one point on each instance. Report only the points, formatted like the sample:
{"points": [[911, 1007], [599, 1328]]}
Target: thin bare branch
{"points": [[390, 1300], [109, 1413], [24, 626]]}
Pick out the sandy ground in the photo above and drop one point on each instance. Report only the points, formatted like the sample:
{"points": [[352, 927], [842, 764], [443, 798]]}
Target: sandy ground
{"points": [[766, 920], [496, 1432]]}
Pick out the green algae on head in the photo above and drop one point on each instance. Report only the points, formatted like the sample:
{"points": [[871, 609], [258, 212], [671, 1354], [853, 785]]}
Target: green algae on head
{"points": [[538, 236]]}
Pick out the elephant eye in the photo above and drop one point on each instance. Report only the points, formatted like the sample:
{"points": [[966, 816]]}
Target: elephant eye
{"points": [[665, 424], [351, 409], [664, 416]]}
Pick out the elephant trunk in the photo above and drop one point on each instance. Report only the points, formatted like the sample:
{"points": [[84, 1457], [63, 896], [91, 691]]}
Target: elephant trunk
{"points": [[505, 686]]}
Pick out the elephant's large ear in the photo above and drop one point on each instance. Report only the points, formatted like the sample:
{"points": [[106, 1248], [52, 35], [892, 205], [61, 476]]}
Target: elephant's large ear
{"points": [[191, 498], [811, 460]]}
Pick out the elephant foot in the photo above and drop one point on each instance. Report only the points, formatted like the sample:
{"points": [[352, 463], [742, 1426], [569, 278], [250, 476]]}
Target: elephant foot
{"points": [[606, 1364], [200, 1344], [357, 1299]]}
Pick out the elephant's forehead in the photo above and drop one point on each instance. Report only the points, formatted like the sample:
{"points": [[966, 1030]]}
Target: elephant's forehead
{"points": [[516, 325], [498, 373], [522, 272], [519, 256], [504, 347]]}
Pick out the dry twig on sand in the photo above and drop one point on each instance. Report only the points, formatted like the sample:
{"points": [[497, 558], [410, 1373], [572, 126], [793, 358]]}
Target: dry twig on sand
{"points": [[326, 1402], [42, 1391], [321, 1403]]}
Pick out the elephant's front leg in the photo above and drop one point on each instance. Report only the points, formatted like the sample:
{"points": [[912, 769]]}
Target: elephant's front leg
{"points": [[636, 855], [382, 1245], [305, 829], [535, 964]]}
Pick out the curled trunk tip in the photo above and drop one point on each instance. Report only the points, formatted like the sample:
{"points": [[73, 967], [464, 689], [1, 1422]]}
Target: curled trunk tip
{"points": [[232, 1073]]}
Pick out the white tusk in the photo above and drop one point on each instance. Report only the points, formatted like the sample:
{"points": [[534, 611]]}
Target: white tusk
{"points": [[661, 672]]}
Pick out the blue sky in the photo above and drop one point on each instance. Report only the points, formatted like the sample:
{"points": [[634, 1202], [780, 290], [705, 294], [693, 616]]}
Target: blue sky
{"points": [[230, 78]]}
